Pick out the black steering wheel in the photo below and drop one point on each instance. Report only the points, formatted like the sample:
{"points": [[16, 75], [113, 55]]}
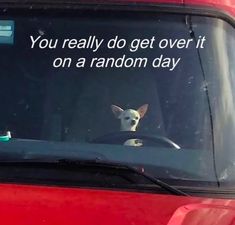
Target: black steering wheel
{"points": [[123, 136]]}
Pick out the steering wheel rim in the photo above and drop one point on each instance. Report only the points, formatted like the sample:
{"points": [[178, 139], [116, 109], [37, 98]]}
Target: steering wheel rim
{"points": [[122, 136]]}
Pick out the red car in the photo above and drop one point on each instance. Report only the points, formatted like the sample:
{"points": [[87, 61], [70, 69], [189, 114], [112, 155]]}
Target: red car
{"points": [[117, 112]]}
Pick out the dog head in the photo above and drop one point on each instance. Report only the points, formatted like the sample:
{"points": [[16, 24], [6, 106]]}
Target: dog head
{"points": [[129, 117]]}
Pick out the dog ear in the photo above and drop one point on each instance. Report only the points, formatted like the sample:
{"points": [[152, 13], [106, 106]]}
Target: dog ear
{"points": [[142, 110], [116, 110]]}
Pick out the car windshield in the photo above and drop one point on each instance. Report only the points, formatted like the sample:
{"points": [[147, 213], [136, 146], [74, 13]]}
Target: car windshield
{"points": [[149, 89]]}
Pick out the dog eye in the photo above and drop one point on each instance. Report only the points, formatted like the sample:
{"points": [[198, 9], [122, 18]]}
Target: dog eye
{"points": [[136, 118], [127, 118]]}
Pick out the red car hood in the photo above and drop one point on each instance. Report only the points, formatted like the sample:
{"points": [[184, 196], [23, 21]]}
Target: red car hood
{"points": [[24, 205]]}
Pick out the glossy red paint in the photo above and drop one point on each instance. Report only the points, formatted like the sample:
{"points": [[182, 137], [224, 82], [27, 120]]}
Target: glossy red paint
{"points": [[35, 205], [227, 6]]}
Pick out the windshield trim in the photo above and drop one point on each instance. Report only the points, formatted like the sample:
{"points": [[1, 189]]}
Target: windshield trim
{"points": [[33, 8]]}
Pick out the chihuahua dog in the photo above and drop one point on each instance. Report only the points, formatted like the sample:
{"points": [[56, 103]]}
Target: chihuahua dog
{"points": [[129, 120]]}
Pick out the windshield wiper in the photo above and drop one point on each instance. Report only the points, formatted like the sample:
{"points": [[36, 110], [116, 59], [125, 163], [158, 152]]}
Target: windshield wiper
{"points": [[32, 163]]}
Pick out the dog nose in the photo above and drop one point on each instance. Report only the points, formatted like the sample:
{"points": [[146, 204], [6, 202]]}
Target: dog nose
{"points": [[133, 122]]}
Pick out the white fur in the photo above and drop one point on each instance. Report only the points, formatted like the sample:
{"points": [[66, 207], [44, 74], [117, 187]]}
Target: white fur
{"points": [[129, 121]]}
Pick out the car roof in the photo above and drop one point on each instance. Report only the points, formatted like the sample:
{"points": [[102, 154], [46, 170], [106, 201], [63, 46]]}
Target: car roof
{"points": [[225, 6]]}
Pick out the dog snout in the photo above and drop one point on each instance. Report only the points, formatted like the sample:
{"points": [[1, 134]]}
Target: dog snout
{"points": [[133, 122]]}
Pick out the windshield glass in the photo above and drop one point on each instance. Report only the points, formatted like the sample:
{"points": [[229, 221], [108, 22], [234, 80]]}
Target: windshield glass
{"points": [[155, 90]]}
